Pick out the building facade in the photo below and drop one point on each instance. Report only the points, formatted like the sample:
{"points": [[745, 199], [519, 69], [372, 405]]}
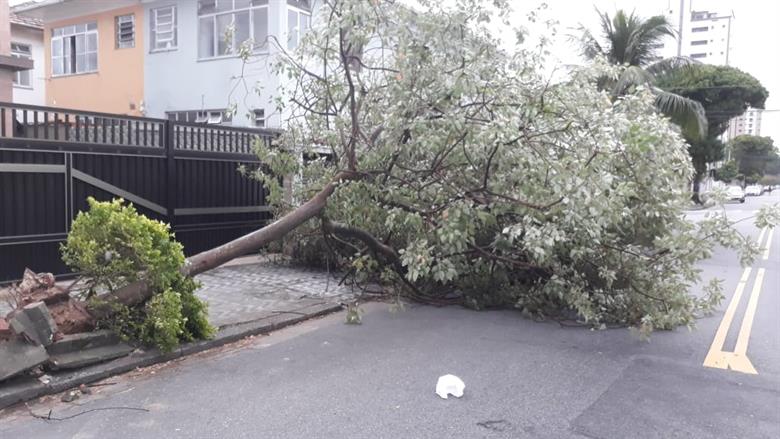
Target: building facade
{"points": [[192, 72], [174, 59], [702, 35], [10, 64], [93, 54], [29, 86], [748, 123]]}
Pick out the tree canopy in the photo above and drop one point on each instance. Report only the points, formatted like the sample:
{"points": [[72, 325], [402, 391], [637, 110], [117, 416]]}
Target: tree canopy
{"points": [[458, 173], [724, 91], [629, 40], [753, 155]]}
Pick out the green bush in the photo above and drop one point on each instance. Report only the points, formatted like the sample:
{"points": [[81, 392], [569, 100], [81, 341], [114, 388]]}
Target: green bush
{"points": [[113, 245]]}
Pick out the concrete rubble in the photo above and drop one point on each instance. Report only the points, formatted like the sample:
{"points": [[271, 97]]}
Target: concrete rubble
{"points": [[17, 356], [32, 334], [34, 324]]}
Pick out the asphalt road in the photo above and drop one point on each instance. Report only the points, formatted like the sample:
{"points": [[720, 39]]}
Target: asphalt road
{"points": [[325, 379]]}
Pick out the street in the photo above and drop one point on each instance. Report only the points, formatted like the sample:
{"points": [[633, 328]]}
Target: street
{"points": [[524, 379]]}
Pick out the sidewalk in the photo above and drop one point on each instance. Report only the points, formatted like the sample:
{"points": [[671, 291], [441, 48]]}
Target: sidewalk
{"points": [[252, 287], [246, 297]]}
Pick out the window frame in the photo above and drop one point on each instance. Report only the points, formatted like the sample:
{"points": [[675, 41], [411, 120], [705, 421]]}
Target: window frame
{"points": [[298, 34], [211, 18], [118, 44], [700, 29], [16, 53], [154, 14], [66, 33], [259, 119]]}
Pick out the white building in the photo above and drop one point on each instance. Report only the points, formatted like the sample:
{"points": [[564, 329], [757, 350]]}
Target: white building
{"points": [[29, 86], [192, 75], [749, 123], [703, 35]]}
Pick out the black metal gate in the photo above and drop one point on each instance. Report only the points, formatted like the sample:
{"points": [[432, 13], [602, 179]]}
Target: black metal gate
{"points": [[52, 159]]}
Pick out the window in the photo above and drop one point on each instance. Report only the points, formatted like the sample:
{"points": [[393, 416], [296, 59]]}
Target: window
{"points": [[200, 116], [698, 42], [698, 55], [125, 31], [259, 118], [163, 28], [74, 49], [223, 25], [297, 24], [699, 29], [22, 78]]}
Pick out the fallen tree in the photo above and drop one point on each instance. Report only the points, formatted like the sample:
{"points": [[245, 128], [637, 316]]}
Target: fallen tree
{"points": [[456, 170]]}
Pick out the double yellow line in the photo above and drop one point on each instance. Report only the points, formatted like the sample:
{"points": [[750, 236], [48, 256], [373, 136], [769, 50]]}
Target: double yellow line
{"points": [[738, 360]]}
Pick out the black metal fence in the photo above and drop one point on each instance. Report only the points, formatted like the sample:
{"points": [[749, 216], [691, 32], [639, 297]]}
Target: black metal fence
{"points": [[52, 159]]}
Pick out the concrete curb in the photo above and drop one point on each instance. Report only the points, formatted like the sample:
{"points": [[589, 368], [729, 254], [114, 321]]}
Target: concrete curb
{"points": [[26, 388]]}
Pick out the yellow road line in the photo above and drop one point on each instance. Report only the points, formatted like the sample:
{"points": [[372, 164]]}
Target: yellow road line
{"points": [[714, 356], [738, 360], [768, 244], [750, 314]]}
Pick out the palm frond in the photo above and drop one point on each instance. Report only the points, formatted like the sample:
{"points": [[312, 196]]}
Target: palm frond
{"points": [[686, 113], [631, 77], [672, 66], [589, 45]]}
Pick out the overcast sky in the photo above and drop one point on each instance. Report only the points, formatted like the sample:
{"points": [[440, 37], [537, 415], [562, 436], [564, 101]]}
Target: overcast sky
{"points": [[756, 35]]}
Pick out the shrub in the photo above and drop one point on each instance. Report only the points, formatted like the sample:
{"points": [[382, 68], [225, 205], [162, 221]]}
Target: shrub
{"points": [[113, 245]]}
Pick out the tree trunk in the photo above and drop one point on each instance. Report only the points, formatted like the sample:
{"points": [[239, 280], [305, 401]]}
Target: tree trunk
{"points": [[139, 292], [696, 186]]}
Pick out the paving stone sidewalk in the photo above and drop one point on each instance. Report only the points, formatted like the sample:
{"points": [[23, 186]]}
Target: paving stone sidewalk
{"points": [[253, 288], [240, 293]]}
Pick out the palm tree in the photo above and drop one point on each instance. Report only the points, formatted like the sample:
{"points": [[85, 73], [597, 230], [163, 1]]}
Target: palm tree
{"points": [[631, 41]]}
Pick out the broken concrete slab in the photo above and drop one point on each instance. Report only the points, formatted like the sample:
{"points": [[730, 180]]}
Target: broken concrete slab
{"points": [[34, 323], [17, 356], [86, 357], [81, 341]]}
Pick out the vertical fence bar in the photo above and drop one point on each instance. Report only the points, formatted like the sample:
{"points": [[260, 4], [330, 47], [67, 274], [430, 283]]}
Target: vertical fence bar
{"points": [[56, 126], [146, 138], [2, 122], [78, 128], [35, 124], [46, 125], [121, 131], [24, 123], [170, 180]]}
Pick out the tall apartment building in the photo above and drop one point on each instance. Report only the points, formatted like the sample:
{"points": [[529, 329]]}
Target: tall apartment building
{"points": [[749, 123], [707, 36], [703, 35]]}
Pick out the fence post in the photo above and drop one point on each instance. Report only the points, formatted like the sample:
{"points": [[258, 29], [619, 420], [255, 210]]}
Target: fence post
{"points": [[170, 158]]}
